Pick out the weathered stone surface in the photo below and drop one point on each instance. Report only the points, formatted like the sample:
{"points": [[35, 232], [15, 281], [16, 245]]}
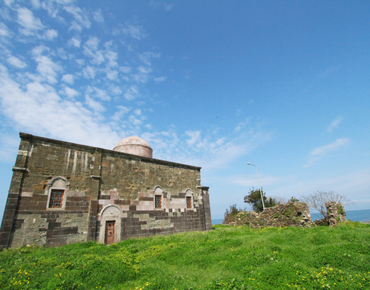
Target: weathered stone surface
{"points": [[291, 214], [91, 180], [294, 214], [335, 214]]}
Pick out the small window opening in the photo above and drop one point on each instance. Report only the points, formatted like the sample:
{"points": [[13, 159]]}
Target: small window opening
{"points": [[188, 202], [56, 198], [158, 201]]}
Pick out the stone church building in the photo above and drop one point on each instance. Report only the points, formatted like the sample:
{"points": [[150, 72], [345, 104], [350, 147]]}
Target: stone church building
{"points": [[63, 193]]}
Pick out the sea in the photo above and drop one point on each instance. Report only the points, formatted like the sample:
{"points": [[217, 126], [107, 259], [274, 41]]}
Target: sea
{"points": [[352, 215]]}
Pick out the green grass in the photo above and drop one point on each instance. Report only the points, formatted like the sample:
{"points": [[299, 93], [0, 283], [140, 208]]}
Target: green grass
{"points": [[224, 258]]}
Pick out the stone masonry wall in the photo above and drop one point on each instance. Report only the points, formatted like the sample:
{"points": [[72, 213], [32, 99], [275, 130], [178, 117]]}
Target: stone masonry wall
{"points": [[296, 214], [335, 214], [99, 185], [291, 214]]}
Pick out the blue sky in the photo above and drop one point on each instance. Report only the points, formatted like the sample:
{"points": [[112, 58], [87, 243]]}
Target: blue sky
{"points": [[281, 84]]}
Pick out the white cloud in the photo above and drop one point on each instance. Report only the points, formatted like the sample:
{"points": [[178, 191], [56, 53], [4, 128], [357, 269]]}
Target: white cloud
{"points": [[143, 74], [4, 31], [91, 50], [242, 125], [9, 2], [112, 75], [51, 34], [68, 78], [122, 110], [89, 72], [320, 152], [131, 93], [96, 106], [62, 53], [161, 5], [160, 79], [98, 93], [194, 137], [47, 68], [334, 124], [147, 56], [38, 50], [92, 43], [35, 3], [74, 42], [38, 109], [115, 90], [82, 20], [125, 69], [14, 61], [80, 61], [98, 16], [111, 57], [135, 121], [135, 31], [30, 23], [70, 93]]}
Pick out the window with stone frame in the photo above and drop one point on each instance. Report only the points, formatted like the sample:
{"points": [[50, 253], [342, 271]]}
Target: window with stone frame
{"points": [[56, 198], [189, 202], [158, 201]]}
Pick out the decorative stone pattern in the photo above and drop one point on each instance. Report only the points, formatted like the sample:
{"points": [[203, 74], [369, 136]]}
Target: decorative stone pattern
{"points": [[292, 214], [94, 179]]}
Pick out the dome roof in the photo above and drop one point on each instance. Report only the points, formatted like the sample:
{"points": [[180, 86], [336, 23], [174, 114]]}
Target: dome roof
{"points": [[134, 145]]}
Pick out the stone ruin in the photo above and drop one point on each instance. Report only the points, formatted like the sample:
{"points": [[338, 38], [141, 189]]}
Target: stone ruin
{"points": [[336, 214], [291, 214]]}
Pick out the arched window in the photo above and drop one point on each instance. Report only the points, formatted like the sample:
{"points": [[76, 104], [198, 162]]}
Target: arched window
{"points": [[189, 199], [158, 198], [56, 191]]}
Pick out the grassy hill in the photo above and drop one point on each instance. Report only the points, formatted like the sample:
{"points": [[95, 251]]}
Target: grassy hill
{"points": [[224, 258]]}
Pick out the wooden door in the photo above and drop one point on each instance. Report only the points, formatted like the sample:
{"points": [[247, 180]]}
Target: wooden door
{"points": [[110, 232]]}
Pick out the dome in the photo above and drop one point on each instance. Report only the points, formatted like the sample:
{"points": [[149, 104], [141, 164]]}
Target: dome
{"points": [[134, 145]]}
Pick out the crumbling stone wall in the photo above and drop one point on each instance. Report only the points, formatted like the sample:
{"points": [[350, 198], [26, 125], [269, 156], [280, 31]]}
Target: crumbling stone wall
{"points": [[292, 214], [335, 214], [99, 185]]}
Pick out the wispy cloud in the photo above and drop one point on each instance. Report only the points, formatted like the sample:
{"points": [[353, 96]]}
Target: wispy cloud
{"points": [[4, 31], [36, 109], [15, 61], [134, 31], [320, 152], [334, 124], [98, 16], [68, 78], [162, 5], [29, 24], [81, 19], [76, 42]]}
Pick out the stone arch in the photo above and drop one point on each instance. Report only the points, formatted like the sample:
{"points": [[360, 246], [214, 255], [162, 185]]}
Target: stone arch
{"points": [[110, 213], [188, 191], [158, 189], [59, 181]]}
